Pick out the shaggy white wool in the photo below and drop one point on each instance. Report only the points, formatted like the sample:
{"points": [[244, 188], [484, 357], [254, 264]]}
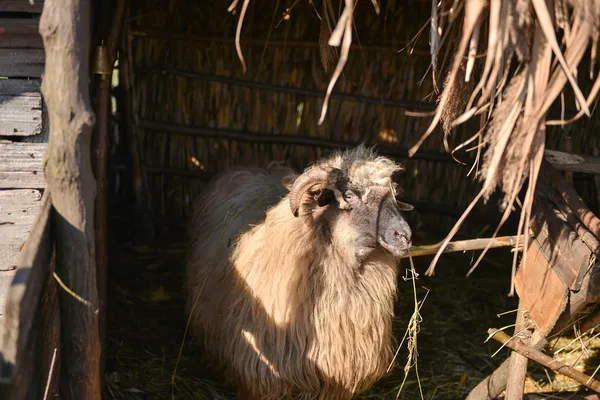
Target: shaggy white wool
{"points": [[281, 303]]}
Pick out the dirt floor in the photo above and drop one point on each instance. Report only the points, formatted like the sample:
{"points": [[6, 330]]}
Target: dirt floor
{"points": [[147, 323]]}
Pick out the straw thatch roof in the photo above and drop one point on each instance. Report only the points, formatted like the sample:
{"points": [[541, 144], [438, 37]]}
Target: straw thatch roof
{"points": [[493, 64], [193, 97]]}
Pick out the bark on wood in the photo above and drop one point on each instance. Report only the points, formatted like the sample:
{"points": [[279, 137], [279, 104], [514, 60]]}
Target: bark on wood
{"points": [[21, 6], [21, 165], [64, 26], [21, 62], [19, 332], [515, 386], [517, 344], [20, 107], [492, 387], [18, 209], [20, 33], [465, 245]]}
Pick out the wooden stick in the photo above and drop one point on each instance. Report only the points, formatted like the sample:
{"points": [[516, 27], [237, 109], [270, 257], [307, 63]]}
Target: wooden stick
{"points": [[464, 245], [411, 104], [517, 345], [228, 40], [263, 137], [493, 385]]}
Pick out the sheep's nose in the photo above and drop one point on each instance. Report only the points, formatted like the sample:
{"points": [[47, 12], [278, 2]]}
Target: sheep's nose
{"points": [[397, 241], [402, 239]]}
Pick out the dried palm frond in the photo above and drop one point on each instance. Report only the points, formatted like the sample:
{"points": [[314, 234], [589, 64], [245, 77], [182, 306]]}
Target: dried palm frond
{"points": [[516, 98]]}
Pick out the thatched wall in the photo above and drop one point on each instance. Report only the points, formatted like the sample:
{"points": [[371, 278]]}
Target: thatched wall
{"points": [[187, 74]]}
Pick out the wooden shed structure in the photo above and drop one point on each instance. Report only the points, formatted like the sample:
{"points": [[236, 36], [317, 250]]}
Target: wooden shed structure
{"points": [[23, 133], [129, 107]]}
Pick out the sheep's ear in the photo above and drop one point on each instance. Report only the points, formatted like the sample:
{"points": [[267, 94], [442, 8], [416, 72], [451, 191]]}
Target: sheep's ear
{"points": [[288, 181], [404, 206]]}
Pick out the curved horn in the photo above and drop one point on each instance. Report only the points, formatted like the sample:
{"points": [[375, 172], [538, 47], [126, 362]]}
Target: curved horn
{"points": [[310, 178]]}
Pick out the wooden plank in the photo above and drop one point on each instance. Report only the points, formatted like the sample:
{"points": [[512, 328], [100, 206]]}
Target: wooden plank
{"points": [[540, 289], [565, 242], [19, 328], [22, 63], [31, 6], [6, 278], [22, 165], [20, 33], [20, 107], [18, 209]]}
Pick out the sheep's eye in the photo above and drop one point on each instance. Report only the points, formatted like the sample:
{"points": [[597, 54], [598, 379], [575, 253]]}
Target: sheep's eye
{"points": [[349, 196]]}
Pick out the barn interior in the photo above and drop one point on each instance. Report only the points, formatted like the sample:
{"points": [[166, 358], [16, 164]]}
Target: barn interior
{"points": [[184, 107], [193, 112]]}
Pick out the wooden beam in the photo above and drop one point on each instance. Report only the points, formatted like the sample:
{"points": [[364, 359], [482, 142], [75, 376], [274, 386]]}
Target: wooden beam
{"points": [[22, 165], [20, 33], [261, 42], [65, 29], [573, 162], [34, 6], [101, 137], [18, 209], [20, 107], [19, 333], [22, 63]]}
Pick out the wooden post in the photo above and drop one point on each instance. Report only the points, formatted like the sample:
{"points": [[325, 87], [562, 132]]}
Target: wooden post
{"points": [[515, 385], [65, 30], [102, 104]]}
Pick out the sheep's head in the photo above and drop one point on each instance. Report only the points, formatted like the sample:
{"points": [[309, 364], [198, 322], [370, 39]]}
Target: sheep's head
{"points": [[354, 195]]}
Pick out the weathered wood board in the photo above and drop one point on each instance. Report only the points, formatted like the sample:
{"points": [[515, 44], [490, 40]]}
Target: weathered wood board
{"points": [[22, 6], [22, 62], [540, 289], [5, 281], [22, 165], [20, 33], [20, 338], [20, 107], [18, 209]]}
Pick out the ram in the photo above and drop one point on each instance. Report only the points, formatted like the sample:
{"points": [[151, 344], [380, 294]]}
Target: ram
{"points": [[293, 293]]}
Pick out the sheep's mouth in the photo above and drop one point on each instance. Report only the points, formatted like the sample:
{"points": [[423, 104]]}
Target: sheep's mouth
{"points": [[395, 251]]}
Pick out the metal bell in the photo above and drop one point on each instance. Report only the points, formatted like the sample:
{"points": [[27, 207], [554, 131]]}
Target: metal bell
{"points": [[101, 64]]}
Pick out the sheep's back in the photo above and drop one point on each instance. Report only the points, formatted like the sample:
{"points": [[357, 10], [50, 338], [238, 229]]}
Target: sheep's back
{"points": [[229, 205]]}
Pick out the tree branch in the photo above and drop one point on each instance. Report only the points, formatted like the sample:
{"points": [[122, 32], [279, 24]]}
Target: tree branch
{"points": [[517, 345]]}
